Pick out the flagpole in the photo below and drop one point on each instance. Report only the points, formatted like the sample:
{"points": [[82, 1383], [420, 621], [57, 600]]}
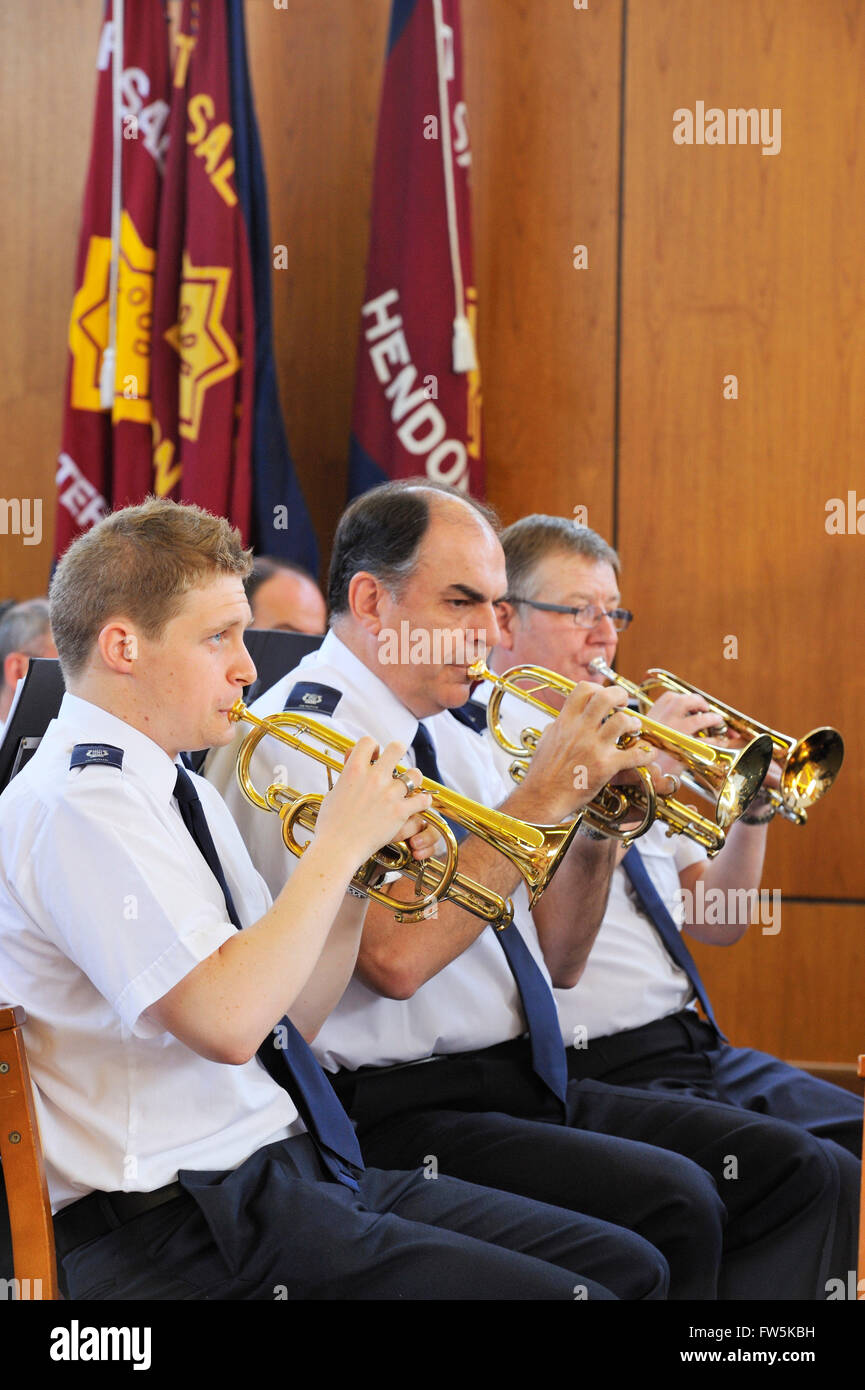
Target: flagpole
{"points": [[108, 370], [464, 356]]}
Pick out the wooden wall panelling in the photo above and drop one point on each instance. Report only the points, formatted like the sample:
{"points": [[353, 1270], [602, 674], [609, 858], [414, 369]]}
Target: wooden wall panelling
{"points": [[46, 113], [796, 993], [542, 84], [736, 262]]}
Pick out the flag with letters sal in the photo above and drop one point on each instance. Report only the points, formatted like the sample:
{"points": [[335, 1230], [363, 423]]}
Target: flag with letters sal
{"points": [[280, 521], [219, 439], [105, 456], [417, 405]]}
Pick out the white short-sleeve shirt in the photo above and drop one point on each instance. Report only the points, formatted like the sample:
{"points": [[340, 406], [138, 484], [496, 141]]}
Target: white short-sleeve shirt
{"points": [[630, 978], [106, 903], [473, 1002]]}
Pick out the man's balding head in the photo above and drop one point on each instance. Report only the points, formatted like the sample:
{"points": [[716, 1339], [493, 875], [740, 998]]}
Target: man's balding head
{"points": [[415, 575], [382, 530]]}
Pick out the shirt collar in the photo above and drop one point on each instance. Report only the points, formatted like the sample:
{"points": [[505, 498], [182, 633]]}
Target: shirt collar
{"points": [[370, 689], [89, 723]]}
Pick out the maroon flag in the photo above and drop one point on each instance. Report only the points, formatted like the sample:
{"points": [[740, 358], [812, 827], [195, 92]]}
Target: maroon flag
{"points": [[105, 458], [417, 406], [204, 324]]}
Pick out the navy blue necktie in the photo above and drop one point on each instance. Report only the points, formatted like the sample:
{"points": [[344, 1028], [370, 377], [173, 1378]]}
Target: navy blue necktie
{"points": [[539, 1006], [426, 763], [650, 899], [290, 1062]]}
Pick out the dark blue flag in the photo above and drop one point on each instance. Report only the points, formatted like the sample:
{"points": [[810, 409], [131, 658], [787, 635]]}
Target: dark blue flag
{"points": [[280, 523]]}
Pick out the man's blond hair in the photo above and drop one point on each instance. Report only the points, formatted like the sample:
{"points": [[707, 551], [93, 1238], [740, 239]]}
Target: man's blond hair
{"points": [[137, 564]]}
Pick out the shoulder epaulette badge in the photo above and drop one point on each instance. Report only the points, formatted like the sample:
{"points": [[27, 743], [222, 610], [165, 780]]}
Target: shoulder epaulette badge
{"points": [[473, 714], [91, 754], [312, 698]]}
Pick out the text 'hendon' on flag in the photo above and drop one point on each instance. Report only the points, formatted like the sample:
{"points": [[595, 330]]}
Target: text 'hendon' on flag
{"points": [[417, 405]]}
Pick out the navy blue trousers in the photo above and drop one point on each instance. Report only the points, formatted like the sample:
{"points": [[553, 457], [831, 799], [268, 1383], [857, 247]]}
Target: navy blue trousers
{"points": [[682, 1172], [685, 1056], [275, 1228]]}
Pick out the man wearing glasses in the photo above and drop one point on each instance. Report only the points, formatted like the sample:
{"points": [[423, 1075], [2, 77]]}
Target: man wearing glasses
{"points": [[630, 1018]]}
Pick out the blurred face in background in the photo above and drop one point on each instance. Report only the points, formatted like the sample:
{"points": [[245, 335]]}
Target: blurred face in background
{"points": [[16, 664], [289, 601]]}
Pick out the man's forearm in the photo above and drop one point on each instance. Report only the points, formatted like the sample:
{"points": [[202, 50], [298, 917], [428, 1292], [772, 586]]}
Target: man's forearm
{"points": [[334, 969], [737, 870], [229, 1002], [569, 915], [396, 958]]}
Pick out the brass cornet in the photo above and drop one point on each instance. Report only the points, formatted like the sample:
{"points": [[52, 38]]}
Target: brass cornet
{"points": [[810, 764], [535, 850], [732, 778]]}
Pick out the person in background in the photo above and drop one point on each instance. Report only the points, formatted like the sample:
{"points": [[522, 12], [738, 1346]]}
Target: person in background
{"points": [[285, 596], [25, 632]]}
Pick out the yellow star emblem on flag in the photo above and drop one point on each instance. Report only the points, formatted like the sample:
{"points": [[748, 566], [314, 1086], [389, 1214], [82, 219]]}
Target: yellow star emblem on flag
{"points": [[88, 326], [207, 352]]}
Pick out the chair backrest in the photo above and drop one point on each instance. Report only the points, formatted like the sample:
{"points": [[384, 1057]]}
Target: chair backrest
{"points": [[36, 705], [275, 652], [23, 1167]]}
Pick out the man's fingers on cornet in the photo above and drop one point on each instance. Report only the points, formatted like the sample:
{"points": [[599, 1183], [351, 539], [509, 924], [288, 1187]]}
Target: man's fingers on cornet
{"points": [[665, 783], [623, 722], [391, 756], [421, 841], [604, 702], [364, 752], [637, 755]]}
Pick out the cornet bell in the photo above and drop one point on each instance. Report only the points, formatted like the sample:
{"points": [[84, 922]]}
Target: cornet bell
{"points": [[811, 767], [810, 764]]}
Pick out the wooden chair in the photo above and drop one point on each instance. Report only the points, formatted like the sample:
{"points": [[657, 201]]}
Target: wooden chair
{"points": [[23, 1166], [861, 1279]]}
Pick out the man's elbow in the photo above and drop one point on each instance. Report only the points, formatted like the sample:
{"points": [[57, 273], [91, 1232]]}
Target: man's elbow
{"points": [[219, 1046], [226, 1052], [566, 970], [224, 1049], [566, 979], [238, 1052], [234, 1057], [393, 979]]}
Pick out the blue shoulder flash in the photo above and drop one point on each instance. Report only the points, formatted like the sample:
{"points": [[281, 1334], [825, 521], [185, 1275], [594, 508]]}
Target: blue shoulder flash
{"points": [[89, 754], [312, 698], [473, 714]]}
